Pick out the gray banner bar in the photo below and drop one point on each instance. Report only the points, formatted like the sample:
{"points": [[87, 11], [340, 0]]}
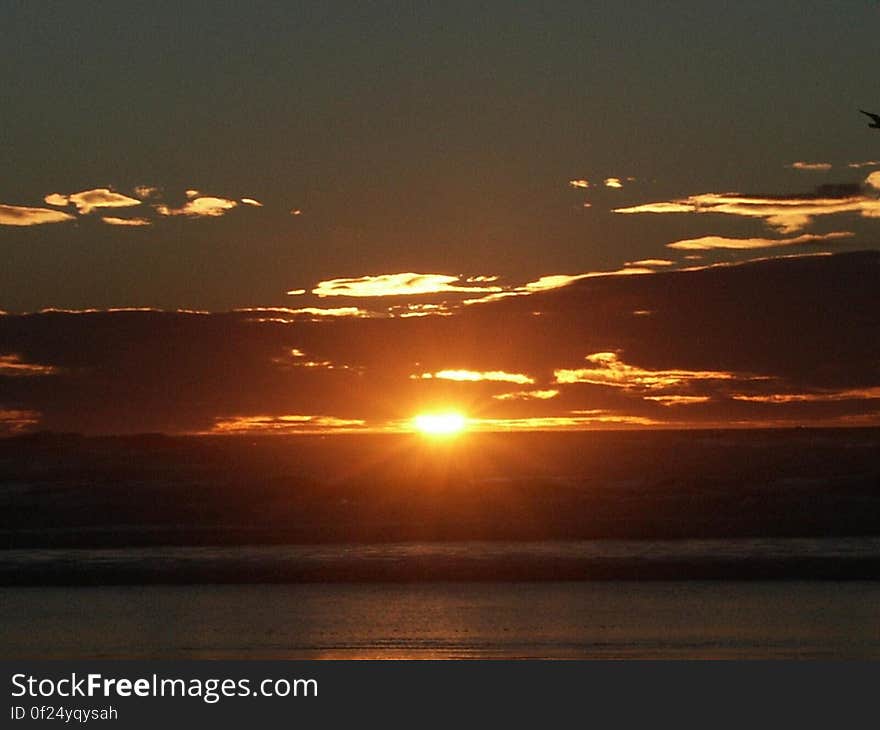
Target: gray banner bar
{"points": [[227, 694]]}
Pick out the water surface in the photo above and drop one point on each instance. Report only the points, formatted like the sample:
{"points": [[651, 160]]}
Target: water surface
{"points": [[608, 619]]}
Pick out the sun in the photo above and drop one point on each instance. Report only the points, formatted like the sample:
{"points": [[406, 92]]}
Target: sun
{"points": [[447, 423]]}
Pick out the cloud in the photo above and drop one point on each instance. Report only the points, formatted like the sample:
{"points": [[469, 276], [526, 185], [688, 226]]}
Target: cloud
{"points": [[798, 337], [498, 376], [788, 214], [555, 281], [391, 285], [720, 242], [199, 207], [872, 393], [607, 369], [280, 312], [57, 199], [295, 211], [811, 166], [613, 182], [528, 395], [873, 180], [87, 200], [866, 163], [554, 423], [15, 215], [12, 366], [420, 310], [678, 400], [286, 424], [332, 311], [581, 183], [14, 421], [111, 221], [650, 262], [251, 201]]}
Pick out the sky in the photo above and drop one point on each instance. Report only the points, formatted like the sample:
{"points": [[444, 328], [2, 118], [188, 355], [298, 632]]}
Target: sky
{"points": [[341, 213]]}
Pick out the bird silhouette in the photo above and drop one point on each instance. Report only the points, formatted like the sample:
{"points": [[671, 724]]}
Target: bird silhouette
{"points": [[875, 117]]}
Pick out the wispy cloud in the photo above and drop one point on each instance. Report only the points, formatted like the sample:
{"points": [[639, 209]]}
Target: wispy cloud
{"points": [[650, 262], [528, 395], [706, 243], [390, 285], [251, 201], [555, 281], [13, 366], [88, 200], [111, 221], [14, 421], [200, 207], [811, 166], [872, 393], [606, 368], [678, 400], [613, 182], [286, 424], [579, 183], [473, 376], [17, 215], [788, 214], [865, 163], [578, 420], [278, 313]]}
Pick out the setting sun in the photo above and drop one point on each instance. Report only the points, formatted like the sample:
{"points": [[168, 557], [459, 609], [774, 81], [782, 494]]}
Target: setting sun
{"points": [[440, 424]]}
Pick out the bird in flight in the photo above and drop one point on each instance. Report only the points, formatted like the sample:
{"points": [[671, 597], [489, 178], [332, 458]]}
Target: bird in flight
{"points": [[875, 124]]}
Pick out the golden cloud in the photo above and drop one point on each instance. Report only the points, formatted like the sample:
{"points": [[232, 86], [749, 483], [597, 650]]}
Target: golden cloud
{"points": [[111, 221], [87, 200], [498, 376], [251, 201], [650, 262], [712, 242], [310, 311], [56, 199], [873, 180], [12, 366], [613, 182], [811, 166], [528, 395], [580, 183], [285, 424], [608, 369], [199, 207], [390, 285], [16, 215], [678, 400], [420, 310], [555, 281], [872, 393], [578, 419], [786, 214]]}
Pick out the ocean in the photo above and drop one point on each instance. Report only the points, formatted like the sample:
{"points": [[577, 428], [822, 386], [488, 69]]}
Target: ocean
{"points": [[421, 618]]}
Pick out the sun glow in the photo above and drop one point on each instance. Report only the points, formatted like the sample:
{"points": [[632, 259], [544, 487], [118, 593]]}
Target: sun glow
{"points": [[440, 424]]}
